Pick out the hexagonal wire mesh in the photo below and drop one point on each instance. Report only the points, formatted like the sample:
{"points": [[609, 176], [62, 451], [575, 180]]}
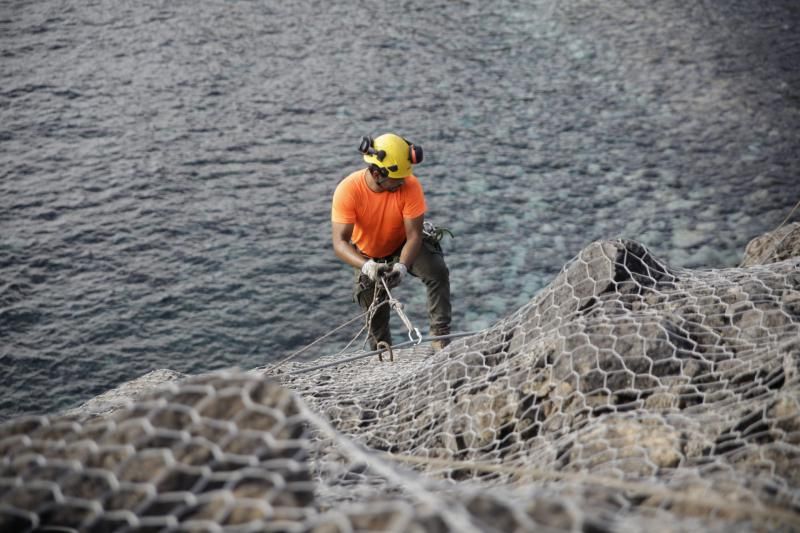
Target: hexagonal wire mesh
{"points": [[627, 395]]}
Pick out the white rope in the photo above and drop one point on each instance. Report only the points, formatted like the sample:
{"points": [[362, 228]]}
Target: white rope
{"points": [[457, 521], [306, 347], [395, 304], [370, 313], [375, 352]]}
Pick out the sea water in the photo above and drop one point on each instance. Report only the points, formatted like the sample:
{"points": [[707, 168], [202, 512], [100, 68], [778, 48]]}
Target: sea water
{"points": [[167, 167]]}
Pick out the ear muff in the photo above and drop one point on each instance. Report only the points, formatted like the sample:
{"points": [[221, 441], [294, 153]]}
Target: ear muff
{"points": [[414, 153]]}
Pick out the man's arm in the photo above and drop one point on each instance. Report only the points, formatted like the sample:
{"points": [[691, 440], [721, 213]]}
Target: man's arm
{"points": [[413, 243], [342, 247]]}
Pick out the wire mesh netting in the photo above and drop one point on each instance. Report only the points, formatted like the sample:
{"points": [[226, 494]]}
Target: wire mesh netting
{"points": [[626, 396]]}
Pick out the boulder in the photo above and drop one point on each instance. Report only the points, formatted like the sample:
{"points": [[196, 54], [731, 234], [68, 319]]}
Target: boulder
{"points": [[167, 456], [778, 245]]}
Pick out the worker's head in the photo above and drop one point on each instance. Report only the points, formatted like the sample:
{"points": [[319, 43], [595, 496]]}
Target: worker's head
{"points": [[383, 181], [390, 156]]}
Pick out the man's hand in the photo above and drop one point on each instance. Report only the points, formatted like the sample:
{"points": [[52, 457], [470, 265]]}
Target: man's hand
{"points": [[373, 270], [396, 275]]}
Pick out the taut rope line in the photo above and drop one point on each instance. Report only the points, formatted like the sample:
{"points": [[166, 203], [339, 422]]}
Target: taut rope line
{"points": [[376, 352], [416, 487], [395, 304], [306, 347]]}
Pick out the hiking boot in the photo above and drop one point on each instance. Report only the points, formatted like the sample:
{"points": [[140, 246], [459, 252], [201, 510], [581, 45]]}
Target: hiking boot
{"points": [[439, 344], [373, 343]]}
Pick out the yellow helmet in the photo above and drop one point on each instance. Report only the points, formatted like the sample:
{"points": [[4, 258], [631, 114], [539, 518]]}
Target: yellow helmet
{"points": [[392, 154]]}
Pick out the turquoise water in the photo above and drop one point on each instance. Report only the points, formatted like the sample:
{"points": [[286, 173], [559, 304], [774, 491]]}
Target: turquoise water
{"points": [[167, 167]]}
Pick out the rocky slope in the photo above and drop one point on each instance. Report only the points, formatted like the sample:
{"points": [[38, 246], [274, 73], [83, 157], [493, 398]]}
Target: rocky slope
{"points": [[626, 395]]}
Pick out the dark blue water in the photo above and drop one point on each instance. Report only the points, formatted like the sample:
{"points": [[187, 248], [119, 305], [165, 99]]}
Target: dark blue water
{"points": [[167, 167]]}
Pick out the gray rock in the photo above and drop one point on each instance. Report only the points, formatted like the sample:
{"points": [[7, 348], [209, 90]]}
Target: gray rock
{"points": [[225, 447], [626, 395], [621, 367], [115, 399], [784, 243]]}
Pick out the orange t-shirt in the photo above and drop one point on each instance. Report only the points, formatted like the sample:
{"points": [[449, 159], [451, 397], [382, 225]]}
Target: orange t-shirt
{"points": [[377, 216]]}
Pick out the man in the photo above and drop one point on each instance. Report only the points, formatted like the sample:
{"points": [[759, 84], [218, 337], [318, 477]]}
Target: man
{"points": [[377, 217]]}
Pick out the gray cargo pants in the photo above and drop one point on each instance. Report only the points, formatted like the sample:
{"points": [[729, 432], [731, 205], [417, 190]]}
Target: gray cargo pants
{"points": [[432, 270]]}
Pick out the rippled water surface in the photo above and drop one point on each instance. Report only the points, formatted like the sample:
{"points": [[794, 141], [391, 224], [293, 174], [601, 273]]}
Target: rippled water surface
{"points": [[167, 167]]}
